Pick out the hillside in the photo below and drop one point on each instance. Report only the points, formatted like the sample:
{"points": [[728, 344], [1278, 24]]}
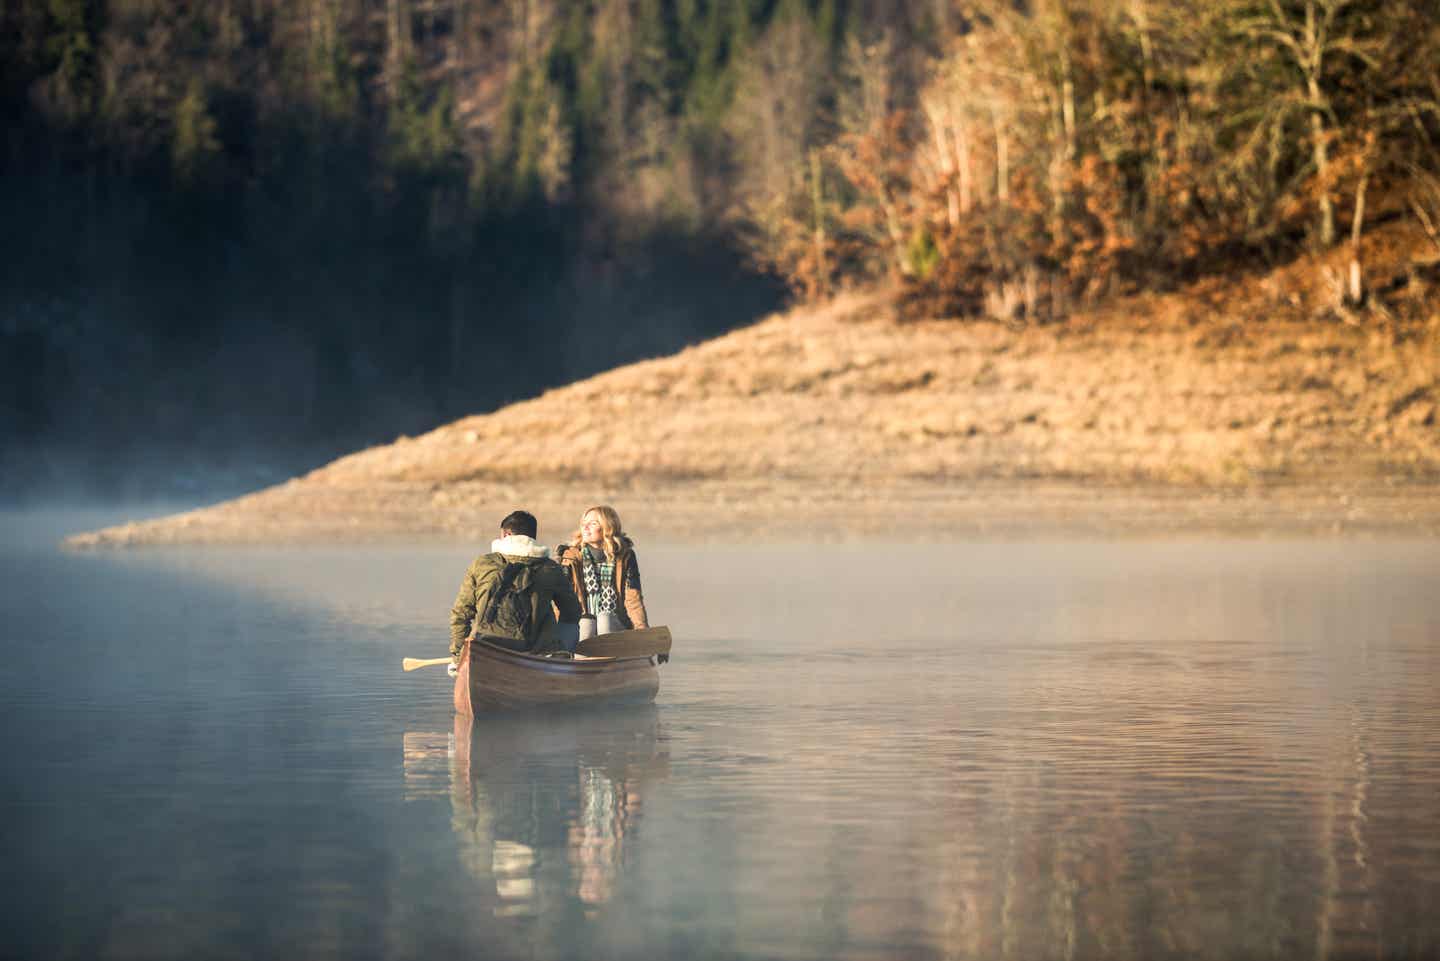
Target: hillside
{"points": [[1239, 407], [249, 236]]}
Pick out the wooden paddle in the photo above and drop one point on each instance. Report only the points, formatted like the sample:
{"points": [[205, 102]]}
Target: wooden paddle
{"points": [[646, 642], [411, 663]]}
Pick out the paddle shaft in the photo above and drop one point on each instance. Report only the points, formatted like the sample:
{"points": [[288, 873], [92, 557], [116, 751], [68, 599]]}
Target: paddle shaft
{"points": [[411, 663]]}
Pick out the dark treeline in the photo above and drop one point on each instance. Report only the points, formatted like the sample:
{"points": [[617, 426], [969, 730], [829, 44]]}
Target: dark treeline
{"points": [[289, 227], [250, 234]]}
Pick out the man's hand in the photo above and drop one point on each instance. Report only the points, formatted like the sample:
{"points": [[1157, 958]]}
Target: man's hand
{"points": [[453, 669]]}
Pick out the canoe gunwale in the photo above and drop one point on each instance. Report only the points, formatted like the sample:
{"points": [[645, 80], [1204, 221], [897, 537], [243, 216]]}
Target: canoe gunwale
{"points": [[491, 677]]}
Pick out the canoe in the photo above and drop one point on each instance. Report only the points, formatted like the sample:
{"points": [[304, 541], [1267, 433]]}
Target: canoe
{"points": [[492, 678]]}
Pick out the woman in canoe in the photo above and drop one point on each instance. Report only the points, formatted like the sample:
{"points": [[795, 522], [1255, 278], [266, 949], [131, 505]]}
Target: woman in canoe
{"points": [[601, 562]]}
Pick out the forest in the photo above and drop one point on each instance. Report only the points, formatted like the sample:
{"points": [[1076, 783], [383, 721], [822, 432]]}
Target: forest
{"points": [[244, 236]]}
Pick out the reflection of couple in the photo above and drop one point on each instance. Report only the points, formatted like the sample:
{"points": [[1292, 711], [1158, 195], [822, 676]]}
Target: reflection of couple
{"points": [[543, 812], [517, 596]]}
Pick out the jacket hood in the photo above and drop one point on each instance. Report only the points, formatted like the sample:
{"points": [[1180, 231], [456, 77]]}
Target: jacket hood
{"points": [[518, 545]]}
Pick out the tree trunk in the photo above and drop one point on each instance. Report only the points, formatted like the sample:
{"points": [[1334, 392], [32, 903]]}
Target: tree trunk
{"points": [[1321, 155], [460, 45], [897, 235], [1356, 291], [962, 160], [1002, 159], [819, 287], [397, 23], [1312, 64], [1067, 105]]}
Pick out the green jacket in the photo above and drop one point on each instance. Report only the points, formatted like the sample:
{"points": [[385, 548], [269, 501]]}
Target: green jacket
{"points": [[551, 585]]}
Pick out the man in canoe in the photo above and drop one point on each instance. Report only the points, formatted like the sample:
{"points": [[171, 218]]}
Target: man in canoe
{"points": [[507, 594]]}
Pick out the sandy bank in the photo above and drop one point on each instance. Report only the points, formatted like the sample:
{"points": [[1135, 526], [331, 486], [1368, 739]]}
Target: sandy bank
{"points": [[1212, 410], [723, 513]]}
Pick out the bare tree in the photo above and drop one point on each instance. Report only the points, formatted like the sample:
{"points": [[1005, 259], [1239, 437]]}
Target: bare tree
{"points": [[1299, 48], [772, 126]]}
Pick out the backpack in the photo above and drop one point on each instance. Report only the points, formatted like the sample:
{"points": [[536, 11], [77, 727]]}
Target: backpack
{"points": [[509, 611]]}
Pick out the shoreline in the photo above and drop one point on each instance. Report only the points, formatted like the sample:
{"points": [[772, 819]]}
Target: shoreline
{"points": [[1156, 415], [701, 513]]}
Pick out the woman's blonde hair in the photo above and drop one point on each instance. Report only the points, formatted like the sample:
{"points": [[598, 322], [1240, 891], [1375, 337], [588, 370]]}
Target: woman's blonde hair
{"points": [[612, 536]]}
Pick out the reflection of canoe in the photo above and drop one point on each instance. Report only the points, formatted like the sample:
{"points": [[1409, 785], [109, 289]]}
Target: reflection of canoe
{"points": [[626, 742], [495, 679], [544, 807]]}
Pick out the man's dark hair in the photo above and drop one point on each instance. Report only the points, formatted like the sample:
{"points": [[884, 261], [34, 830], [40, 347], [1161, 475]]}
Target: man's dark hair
{"points": [[520, 522]]}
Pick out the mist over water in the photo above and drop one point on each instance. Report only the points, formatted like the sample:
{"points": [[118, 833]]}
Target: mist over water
{"points": [[211, 379], [1030, 750]]}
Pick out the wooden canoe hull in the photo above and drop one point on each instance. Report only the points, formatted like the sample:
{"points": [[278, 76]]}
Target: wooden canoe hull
{"points": [[492, 678]]}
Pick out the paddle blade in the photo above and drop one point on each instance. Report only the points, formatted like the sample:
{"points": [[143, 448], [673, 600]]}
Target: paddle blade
{"points": [[411, 663], [646, 642]]}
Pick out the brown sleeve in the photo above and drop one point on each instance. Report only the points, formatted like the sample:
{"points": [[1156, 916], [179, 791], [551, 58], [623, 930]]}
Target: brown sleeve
{"points": [[570, 564], [634, 596]]}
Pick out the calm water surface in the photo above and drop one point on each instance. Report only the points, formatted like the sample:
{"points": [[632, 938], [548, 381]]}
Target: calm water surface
{"points": [[1039, 750]]}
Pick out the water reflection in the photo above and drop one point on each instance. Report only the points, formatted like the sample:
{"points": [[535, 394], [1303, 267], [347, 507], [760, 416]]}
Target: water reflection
{"points": [[989, 752], [543, 806], [429, 756]]}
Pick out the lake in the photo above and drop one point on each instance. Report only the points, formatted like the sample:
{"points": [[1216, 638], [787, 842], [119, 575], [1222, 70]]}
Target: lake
{"points": [[1087, 749]]}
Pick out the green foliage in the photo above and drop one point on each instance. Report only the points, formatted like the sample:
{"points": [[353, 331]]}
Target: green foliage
{"points": [[336, 81], [1105, 139], [533, 150], [423, 136], [921, 254], [193, 144], [72, 44]]}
